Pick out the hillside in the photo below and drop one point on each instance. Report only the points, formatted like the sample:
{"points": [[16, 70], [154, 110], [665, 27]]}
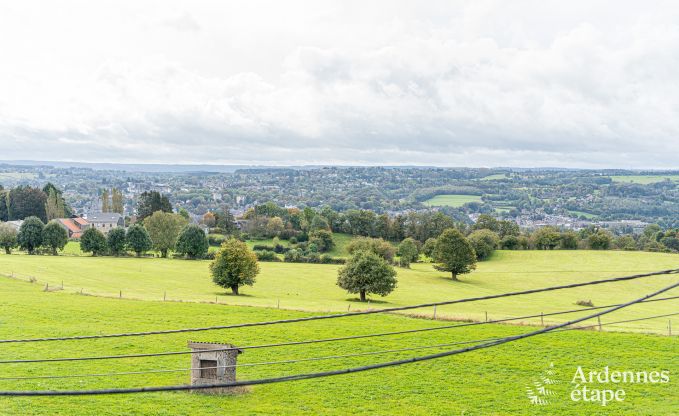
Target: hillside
{"points": [[311, 287]]}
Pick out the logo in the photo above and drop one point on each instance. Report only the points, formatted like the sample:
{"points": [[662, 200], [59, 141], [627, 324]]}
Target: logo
{"points": [[539, 392]]}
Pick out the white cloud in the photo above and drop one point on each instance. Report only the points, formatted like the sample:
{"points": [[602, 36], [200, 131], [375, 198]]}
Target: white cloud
{"points": [[473, 83]]}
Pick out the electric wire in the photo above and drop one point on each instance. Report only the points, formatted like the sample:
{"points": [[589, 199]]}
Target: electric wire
{"points": [[307, 376], [316, 341]]}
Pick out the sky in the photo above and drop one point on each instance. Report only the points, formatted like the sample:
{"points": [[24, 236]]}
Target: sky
{"points": [[583, 84]]}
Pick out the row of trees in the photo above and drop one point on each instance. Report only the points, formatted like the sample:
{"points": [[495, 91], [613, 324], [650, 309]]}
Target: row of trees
{"points": [[24, 201], [113, 201], [161, 231], [33, 236]]}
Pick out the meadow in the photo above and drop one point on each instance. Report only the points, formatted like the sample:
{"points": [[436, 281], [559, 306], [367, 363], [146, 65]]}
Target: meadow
{"points": [[451, 200], [644, 179], [311, 287], [491, 381]]}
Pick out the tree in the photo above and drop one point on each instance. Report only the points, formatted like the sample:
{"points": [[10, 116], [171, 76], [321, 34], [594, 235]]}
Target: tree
{"points": [[484, 242], [323, 240], [486, 222], [365, 272], [429, 247], [117, 203], [164, 228], [454, 253], [408, 252], [226, 221], [569, 240], [546, 238], [105, 201], [93, 241], [184, 214], [138, 239], [600, 240], [192, 242], [115, 240], [8, 237], [30, 234], [54, 207], [376, 245], [274, 226], [209, 220], [25, 202], [54, 236], [319, 223], [234, 265], [150, 202]]}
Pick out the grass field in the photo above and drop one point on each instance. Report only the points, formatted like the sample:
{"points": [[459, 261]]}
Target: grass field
{"points": [[645, 179], [583, 214], [311, 287], [494, 177], [486, 382], [451, 200]]}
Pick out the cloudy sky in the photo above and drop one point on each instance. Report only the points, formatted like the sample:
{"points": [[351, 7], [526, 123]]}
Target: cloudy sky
{"points": [[471, 83]]}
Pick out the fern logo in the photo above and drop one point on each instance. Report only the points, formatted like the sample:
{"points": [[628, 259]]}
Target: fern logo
{"points": [[539, 391]]}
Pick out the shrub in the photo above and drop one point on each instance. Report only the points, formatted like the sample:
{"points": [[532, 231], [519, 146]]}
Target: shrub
{"points": [[266, 255], [374, 245], [293, 256], [600, 240], [484, 242], [215, 239], [323, 240], [8, 237]]}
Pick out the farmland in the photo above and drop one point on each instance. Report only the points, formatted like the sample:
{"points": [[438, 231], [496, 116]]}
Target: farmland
{"points": [[481, 382], [311, 287], [451, 200]]}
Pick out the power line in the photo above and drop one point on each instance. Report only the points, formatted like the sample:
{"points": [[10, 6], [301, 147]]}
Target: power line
{"points": [[321, 358], [347, 314], [317, 341], [351, 370]]}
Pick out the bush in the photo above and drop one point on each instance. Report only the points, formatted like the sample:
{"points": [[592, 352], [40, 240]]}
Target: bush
{"points": [[293, 256], [322, 239], [484, 242], [328, 259], [262, 247], [374, 245], [600, 240], [266, 255], [8, 237], [510, 242], [215, 239]]}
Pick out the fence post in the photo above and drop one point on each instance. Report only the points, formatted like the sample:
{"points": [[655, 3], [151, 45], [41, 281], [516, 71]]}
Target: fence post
{"points": [[348, 307], [120, 295], [278, 304], [62, 285], [669, 326], [542, 318], [486, 316], [164, 295], [434, 311], [598, 318], [47, 287], [81, 290]]}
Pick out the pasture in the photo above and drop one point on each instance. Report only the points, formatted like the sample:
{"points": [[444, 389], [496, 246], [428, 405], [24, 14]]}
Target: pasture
{"points": [[644, 179], [311, 287], [491, 381], [451, 200]]}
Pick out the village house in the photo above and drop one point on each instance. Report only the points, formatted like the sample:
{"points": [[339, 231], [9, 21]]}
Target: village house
{"points": [[105, 221], [74, 226]]}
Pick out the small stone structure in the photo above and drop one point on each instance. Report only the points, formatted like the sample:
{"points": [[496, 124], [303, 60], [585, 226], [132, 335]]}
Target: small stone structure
{"points": [[211, 367]]}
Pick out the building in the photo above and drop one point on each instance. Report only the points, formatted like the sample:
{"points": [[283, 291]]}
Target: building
{"points": [[105, 221], [74, 226]]}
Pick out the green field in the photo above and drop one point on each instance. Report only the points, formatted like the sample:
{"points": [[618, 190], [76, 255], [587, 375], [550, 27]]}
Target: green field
{"points": [[491, 381], [583, 214], [644, 179], [495, 177], [311, 287], [451, 200]]}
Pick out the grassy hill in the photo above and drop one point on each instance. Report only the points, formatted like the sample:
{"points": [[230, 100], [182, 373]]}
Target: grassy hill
{"points": [[491, 381], [311, 287]]}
